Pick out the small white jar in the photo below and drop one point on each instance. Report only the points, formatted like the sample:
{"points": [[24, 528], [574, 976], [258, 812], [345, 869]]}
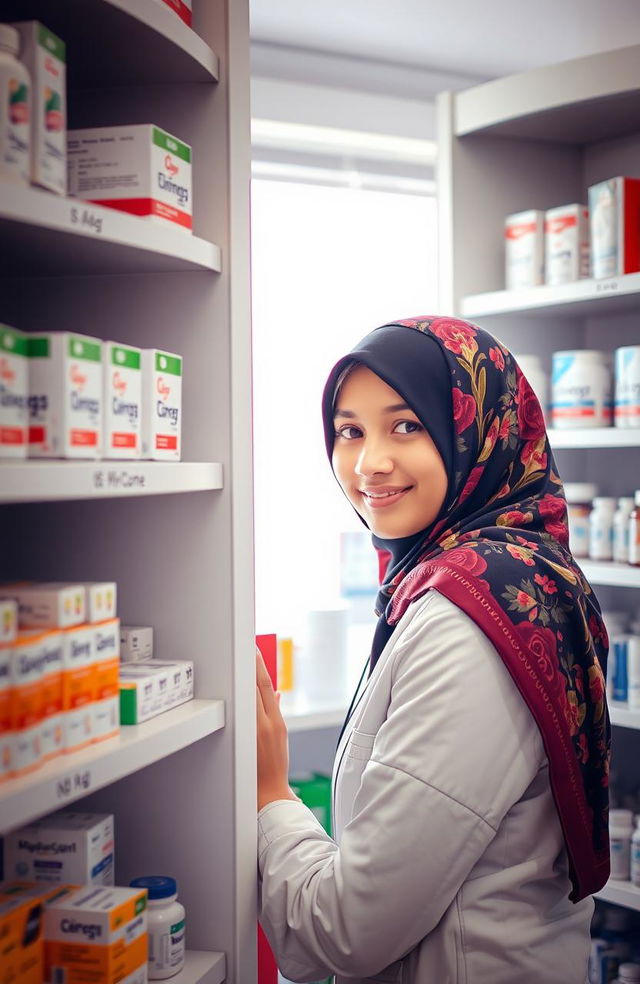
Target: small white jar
{"points": [[620, 833], [629, 973], [579, 496], [581, 384], [538, 379], [635, 854], [166, 926], [627, 386], [15, 109], [621, 519], [601, 528]]}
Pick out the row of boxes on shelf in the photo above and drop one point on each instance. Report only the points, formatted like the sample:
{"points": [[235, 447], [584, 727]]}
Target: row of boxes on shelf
{"points": [[65, 395], [62, 683], [574, 241], [140, 169]]}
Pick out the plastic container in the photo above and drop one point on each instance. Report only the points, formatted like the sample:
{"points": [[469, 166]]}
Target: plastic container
{"points": [[627, 386], [635, 855], [620, 833], [629, 973], [538, 379], [166, 926], [633, 671], [617, 670], [621, 530], [601, 528], [15, 109], [634, 532], [581, 383], [579, 496]]}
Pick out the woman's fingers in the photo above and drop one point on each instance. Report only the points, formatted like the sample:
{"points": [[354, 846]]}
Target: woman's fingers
{"points": [[265, 687]]}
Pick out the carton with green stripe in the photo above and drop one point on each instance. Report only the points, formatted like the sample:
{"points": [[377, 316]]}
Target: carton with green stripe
{"points": [[139, 169], [161, 405], [14, 392], [122, 366], [65, 395], [44, 54]]}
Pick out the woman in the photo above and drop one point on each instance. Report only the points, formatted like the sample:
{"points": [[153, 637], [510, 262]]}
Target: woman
{"points": [[470, 785]]}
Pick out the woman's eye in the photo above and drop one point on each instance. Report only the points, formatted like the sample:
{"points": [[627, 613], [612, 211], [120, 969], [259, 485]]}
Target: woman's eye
{"points": [[407, 427], [349, 432]]}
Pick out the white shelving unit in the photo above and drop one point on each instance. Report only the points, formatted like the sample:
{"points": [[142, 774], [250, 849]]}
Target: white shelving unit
{"points": [[626, 717], [538, 140], [621, 893], [177, 538]]}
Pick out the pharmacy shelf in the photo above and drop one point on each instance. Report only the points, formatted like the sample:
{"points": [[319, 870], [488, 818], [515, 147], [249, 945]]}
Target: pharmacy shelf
{"points": [[624, 716], [595, 437], [159, 47], [621, 893], [307, 718], [70, 777], [50, 481], [603, 572], [582, 297], [202, 967], [45, 235]]}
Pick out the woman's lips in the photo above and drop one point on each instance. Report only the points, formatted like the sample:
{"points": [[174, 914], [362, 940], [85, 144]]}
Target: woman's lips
{"points": [[382, 498]]}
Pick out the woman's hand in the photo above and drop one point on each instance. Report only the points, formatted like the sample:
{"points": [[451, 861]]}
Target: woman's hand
{"points": [[273, 747]]}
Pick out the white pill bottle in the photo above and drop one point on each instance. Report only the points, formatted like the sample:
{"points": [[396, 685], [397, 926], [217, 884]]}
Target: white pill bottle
{"points": [[15, 109], [166, 926]]}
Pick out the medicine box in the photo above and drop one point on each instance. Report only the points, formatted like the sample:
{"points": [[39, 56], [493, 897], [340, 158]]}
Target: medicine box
{"points": [[44, 54], [6, 723], [183, 8], [100, 600], [136, 643], [21, 932], [567, 255], [139, 169], [52, 723], [614, 209], [8, 620], [65, 395], [161, 405], [122, 377], [67, 848], [26, 672], [106, 689], [78, 649], [14, 393], [47, 605], [152, 688], [524, 249], [95, 935]]}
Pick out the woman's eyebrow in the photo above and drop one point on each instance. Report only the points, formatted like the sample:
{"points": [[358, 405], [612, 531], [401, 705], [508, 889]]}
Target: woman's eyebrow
{"points": [[394, 408]]}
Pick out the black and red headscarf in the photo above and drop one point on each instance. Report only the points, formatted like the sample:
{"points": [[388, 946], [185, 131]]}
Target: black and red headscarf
{"points": [[499, 551]]}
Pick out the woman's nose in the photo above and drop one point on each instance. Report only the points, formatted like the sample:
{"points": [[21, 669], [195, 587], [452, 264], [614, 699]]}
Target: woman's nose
{"points": [[374, 459]]}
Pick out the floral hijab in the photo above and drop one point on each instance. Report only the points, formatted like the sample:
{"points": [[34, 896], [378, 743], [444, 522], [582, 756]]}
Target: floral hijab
{"points": [[499, 551]]}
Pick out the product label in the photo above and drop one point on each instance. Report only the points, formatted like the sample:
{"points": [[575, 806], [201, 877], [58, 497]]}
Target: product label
{"points": [[123, 396], [13, 393], [15, 140], [50, 151], [83, 396]]}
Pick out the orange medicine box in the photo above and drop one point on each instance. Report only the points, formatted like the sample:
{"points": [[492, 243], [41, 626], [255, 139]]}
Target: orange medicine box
{"points": [[52, 727], [106, 680], [95, 934], [78, 659], [21, 935], [26, 673]]}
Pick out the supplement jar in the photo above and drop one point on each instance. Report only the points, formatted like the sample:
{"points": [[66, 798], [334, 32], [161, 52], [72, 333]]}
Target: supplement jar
{"points": [[581, 389], [15, 109], [166, 926], [634, 532], [620, 832], [579, 496], [538, 379], [621, 530], [601, 528], [627, 386]]}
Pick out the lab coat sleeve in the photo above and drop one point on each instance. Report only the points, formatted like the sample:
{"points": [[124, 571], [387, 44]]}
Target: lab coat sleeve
{"points": [[458, 748]]}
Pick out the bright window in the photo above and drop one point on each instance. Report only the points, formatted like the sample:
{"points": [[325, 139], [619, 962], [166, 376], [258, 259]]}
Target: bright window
{"points": [[329, 264]]}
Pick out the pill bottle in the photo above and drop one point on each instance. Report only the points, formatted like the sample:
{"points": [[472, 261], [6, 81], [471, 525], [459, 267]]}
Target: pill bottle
{"points": [[627, 386], [579, 496], [538, 379], [601, 528], [166, 926], [621, 530], [634, 532], [620, 833], [633, 671], [581, 383], [617, 670], [15, 109]]}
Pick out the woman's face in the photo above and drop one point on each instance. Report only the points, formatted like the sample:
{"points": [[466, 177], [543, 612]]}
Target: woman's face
{"points": [[385, 461]]}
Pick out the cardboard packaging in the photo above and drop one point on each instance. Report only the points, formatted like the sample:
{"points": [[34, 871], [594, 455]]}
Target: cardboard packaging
{"points": [[78, 686], [567, 255], [183, 9], [47, 605], [136, 643], [139, 169], [97, 934], [6, 721], [66, 848], [106, 689], [52, 724], [65, 395], [614, 209], [524, 249], [122, 374], [26, 671], [44, 54], [14, 393], [8, 620], [151, 688], [21, 932], [161, 405]]}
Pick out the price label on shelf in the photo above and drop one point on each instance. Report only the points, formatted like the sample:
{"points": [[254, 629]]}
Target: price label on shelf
{"points": [[73, 784], [85, 219], [110, 480], [607, 286]]}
